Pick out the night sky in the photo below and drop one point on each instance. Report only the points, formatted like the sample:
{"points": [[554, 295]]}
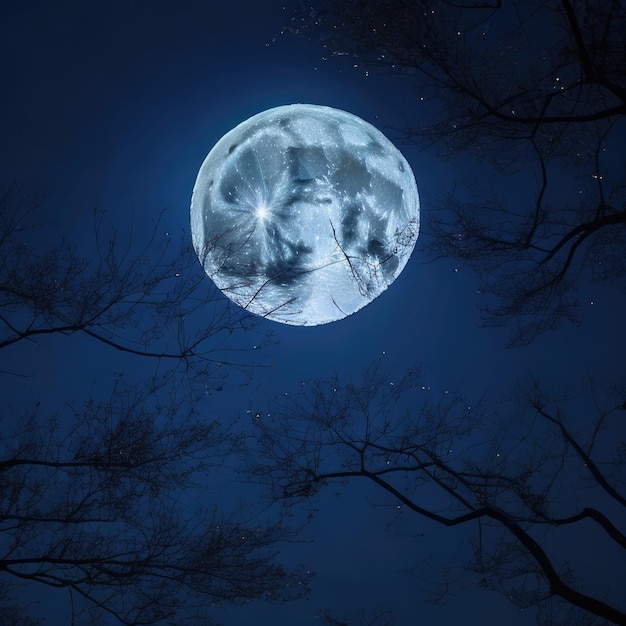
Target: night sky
{"points": [[114, 105]]}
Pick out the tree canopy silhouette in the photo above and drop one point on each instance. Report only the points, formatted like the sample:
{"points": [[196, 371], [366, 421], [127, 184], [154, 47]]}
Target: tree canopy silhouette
{"points": [[106, 496], [520, 483], [139, 296], [536, 89]]}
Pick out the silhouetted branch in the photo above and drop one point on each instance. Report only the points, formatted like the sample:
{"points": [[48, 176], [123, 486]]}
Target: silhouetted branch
{"points": [[110, 510], [142, 299], [424, 449], [535, 88]]}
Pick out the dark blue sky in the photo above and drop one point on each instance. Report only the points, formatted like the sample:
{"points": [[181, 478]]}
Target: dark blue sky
{"points": [[115, 105]]}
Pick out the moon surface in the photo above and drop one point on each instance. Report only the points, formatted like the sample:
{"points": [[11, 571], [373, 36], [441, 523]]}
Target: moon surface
{"points": [[303, 214]]}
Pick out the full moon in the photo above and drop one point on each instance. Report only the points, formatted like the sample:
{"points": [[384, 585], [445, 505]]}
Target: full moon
{"points": [[303, 214]]}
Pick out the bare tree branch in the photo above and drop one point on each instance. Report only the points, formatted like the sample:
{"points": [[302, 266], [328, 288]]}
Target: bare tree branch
{"points": [[148, 300], [107, 498], [521, 87], [458, 465], [108, 510]]}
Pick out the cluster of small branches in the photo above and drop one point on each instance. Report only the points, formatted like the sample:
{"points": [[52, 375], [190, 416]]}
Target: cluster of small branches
{"points": [[508, 481], [144, 298], [530, 87], [105, 500]]}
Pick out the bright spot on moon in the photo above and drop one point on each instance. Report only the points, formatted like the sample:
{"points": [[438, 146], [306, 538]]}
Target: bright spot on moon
{"points": [[262, 211], [304, 214]]}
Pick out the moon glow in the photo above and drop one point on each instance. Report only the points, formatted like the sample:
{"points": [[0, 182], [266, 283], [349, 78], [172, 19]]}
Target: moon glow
{"points": [[303, 214]]}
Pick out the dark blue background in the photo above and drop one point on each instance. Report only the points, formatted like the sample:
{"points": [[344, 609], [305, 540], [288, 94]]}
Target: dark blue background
{"points": [[115, 105]]}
